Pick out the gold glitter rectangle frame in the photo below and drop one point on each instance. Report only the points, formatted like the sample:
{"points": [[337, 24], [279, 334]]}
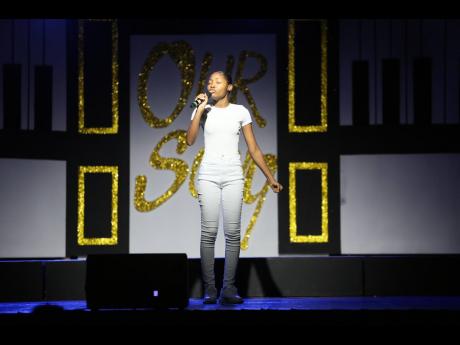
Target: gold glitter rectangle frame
{"points": [[101, 241], [293, 236], [293, 128], [81, 82]]}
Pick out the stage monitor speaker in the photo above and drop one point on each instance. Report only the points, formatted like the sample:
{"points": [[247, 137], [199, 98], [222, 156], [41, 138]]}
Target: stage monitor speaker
{"points": [[136, 281]]}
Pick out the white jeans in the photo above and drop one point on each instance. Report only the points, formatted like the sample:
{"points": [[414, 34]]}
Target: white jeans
{"points": [[220, 183]]}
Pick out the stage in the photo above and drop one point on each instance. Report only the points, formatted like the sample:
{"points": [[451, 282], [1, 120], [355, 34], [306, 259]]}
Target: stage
{"points": [[358, 119]]}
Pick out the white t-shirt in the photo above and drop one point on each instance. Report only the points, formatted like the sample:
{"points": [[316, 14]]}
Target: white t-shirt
{"points": [[222, 131]]}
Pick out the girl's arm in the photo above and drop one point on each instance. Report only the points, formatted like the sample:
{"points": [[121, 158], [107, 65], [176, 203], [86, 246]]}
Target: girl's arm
{"points": [[258, 157]]}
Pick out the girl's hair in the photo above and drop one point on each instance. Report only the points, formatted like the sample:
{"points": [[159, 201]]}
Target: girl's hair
{"points": [[203, 118], [227, 77]]}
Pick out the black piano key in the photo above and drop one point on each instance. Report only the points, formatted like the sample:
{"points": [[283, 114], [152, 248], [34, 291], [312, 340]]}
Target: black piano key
{"points": [[12, 96], [360, 93], [391, 91], [422, 90], [43, 97]]}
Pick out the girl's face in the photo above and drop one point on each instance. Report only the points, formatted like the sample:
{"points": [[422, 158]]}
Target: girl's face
{"points": [[218, 86]]}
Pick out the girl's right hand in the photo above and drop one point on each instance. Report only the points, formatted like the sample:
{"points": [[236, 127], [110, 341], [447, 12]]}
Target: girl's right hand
{"points": [[204, 98]]}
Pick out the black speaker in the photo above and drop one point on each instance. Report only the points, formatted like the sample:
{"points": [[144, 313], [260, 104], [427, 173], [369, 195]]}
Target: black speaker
{"points": [[136, 281]]}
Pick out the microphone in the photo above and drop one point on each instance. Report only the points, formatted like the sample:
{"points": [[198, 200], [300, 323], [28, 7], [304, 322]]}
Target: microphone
{"points": [[196, 103]]}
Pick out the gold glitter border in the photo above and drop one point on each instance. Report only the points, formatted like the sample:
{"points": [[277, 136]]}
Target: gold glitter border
{"points": [[293, 128], [101, 241], [176, 165], [81, 82], [184, 57], [293, 236]]}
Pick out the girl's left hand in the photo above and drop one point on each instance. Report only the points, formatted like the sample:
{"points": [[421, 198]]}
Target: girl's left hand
{"points": [[276, 186]]}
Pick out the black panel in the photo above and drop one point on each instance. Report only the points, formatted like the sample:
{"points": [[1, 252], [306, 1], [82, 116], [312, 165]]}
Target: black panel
{"points": [[97, 149], [12, 96], [43, 107], [310, 147], [404, 139], [65, 280], [391, 91], [302, 276], [21, 281], [360, 93], [98, 74], [412, 275]]}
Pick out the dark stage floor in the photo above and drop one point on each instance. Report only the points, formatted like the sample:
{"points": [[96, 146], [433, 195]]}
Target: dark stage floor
{"points": [[413, 310], [285, 303]]}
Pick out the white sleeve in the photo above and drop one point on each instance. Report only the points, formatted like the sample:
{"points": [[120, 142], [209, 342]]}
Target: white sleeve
{"points": [[246, 117], [193, 114]]}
